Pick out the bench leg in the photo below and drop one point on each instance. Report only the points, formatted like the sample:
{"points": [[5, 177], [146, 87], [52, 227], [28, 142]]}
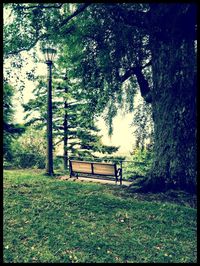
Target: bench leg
{"points": [[120, 176]]}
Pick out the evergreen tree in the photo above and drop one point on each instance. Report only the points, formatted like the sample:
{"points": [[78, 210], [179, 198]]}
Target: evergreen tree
{"points": [[73, 124], [11, 130]]}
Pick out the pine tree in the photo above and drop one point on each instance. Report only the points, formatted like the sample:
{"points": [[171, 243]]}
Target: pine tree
{"points": [[73, 121]]}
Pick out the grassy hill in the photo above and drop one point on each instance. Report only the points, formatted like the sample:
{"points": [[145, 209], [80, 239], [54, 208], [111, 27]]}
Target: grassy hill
{"points": [[51, 220]]}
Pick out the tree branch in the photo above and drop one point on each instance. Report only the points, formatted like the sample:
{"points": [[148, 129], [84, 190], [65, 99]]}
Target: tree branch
{"points": [[143, 83], [147, 64], [131, 71], [58, 141], [127, 75], [79, 10], [65, 21], [24, 49]]}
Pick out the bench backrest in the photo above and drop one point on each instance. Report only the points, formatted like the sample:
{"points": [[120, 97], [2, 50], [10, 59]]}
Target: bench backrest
{"points": [[93, 168]]}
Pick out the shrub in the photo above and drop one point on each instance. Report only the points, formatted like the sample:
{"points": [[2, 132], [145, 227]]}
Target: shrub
{"points": [[139, 165], [29, 150]]}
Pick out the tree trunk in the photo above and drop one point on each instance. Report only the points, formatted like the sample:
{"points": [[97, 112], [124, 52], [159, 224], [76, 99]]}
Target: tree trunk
{"points": [[65, 134], [173, 100]]}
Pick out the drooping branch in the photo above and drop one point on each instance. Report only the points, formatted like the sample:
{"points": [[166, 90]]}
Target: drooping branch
{"points": [[132, 71], [13, 128]]}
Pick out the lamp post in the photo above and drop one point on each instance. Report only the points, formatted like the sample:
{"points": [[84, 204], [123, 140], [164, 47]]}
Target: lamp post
{"points": [[49, 55]]}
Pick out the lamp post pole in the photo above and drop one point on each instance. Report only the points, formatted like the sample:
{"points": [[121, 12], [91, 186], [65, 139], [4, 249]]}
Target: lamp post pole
{"points": [[49, 164], [49, 54]]}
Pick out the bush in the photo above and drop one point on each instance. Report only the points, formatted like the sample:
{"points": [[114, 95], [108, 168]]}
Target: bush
{"points": [[28, 160], [29, 150], [58, 163], [140, 164]]}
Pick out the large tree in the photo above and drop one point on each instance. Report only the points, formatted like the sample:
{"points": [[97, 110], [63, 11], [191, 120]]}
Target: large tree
{"points": [[172, 44], [152, 47], [118, 47]]}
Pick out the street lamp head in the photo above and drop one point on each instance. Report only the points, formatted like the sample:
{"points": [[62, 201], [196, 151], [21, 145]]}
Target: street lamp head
{"points": [[49, 54]]}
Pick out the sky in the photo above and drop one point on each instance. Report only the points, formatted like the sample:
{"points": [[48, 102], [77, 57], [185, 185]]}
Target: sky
{"points": [[122, 133]]}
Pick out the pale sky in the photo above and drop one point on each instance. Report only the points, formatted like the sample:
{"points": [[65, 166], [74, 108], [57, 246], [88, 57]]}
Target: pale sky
{"points": [[122, 133]]}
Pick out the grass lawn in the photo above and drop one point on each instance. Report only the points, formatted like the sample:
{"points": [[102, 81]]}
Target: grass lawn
{"points": [[50, 220]]}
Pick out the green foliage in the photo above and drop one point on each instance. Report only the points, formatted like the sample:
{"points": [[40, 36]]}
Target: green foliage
{"points": [[29, 150], [96, 53], [99, 57], [8, 94], [143, 125], [52, 221], [73, 122], [139, 166], [10, 130]]}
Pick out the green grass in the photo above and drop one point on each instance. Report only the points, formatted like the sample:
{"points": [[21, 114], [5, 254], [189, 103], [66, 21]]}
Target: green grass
{"points": [[49, 220]]}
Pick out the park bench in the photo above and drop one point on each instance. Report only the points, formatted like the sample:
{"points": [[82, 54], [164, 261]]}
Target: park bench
{"points": [[95, 169]]}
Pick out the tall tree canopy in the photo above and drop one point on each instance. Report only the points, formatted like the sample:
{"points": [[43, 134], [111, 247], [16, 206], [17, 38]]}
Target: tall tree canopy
{"points": [[115, 49]]}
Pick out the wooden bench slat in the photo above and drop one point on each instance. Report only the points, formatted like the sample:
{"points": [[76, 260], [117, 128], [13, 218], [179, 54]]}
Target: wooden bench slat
{"points": [[82, 167], [104, 169]]}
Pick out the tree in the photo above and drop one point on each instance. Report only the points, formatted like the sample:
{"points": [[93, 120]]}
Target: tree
{"points": [[26, 25], [73, 125], [163, 36], [39, 19], [11, 130], [167, 34], [173, 96]]}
